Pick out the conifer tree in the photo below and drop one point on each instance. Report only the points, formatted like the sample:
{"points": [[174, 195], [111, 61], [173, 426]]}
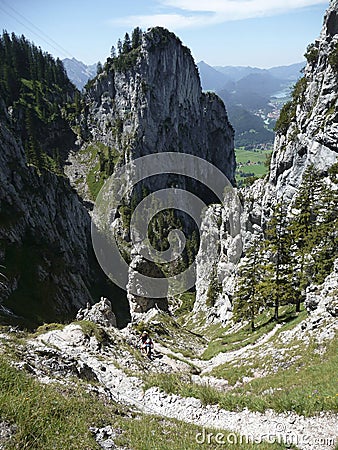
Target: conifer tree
{"points": [[99, 68], [248, 299], [136, 37], [304, 230], [326, 229], [119, 47], [126, 44], [113, 52], [276, 286]]}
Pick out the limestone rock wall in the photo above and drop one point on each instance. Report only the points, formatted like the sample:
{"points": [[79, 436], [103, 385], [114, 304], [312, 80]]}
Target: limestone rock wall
{"points": [[157, 105], [44, 238], [311, 137], [150, 101]]}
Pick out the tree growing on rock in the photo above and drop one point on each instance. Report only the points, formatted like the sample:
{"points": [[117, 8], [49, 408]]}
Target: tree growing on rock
{"points": [[248, 299], [136, 37], [276, 286], [307, 231], [126, 47]]}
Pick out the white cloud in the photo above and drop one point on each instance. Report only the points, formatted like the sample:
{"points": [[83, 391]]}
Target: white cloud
{"points": [[170, 21], [241, 8], [199, 13]]}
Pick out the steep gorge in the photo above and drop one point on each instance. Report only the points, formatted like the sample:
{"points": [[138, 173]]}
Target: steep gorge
{"points": [[146, 101], [85, 384]]}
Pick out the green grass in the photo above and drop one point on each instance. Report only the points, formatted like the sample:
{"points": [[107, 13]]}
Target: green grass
{"points": [[92, 329], [308, 386], [95, 181], [47, 417], [42, 329], [152, 433], [257, 156], [97, 175], [187, 300], [224, 341], [50, 417], [251, 162], [165, 330]]}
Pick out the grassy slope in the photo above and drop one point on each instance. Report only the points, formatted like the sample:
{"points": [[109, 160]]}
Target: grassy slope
{"points": [[50, 417], [307, 387], [294, 377]]}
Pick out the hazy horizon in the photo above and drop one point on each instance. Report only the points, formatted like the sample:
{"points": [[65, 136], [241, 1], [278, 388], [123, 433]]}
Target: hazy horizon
{"points": [[255, 33]]}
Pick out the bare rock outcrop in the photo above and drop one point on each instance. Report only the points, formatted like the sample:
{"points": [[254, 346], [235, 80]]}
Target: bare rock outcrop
{"points": [[323, 299], [221, 248], [310, 137], [100, 313], [307, 135], [148, 102]]}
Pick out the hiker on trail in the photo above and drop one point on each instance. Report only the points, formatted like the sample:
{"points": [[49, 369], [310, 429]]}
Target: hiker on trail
{"points": [[146, 344]]}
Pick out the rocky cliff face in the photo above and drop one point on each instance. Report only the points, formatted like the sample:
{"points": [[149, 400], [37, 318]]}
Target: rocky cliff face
{"points": [[149, 101], [44, 237], [220, 250], [45, 244], [310, 136]]}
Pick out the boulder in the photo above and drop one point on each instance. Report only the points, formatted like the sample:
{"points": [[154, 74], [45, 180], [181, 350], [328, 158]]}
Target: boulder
{"points": [[100, 313], [323, 299]]}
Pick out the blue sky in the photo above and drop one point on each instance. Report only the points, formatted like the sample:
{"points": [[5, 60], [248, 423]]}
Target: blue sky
{"points": [[262, 33]]}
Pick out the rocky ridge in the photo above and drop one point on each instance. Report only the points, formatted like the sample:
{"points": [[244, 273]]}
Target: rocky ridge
{"points": [[146, 102], [311, 135]]}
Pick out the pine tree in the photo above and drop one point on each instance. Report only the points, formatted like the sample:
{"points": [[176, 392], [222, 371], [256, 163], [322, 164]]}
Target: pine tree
{"points": [[248, 299], [326, 229], [119, 47], [277, 286], [136, 37], [304, 230], [214, 288], [126, 44], [99, 68], [113, 52], [38, 103]]}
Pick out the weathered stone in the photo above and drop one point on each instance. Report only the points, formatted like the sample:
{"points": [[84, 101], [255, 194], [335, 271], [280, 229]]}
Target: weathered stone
{"points": [[154, 106], [221, 247], [311, 138], [6, 432], [323, 299], [139, 298], [100, 313]]}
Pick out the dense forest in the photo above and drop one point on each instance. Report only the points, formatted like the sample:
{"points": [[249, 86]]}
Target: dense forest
{"points": [[39, 96]]}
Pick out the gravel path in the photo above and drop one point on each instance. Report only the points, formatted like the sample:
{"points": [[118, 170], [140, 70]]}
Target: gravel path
{"points": [[308, 433]]}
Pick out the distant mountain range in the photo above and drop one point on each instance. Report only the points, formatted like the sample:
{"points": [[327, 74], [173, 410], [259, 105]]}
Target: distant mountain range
{"points": [[253, 97], [78, 72], [221, 77]]}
